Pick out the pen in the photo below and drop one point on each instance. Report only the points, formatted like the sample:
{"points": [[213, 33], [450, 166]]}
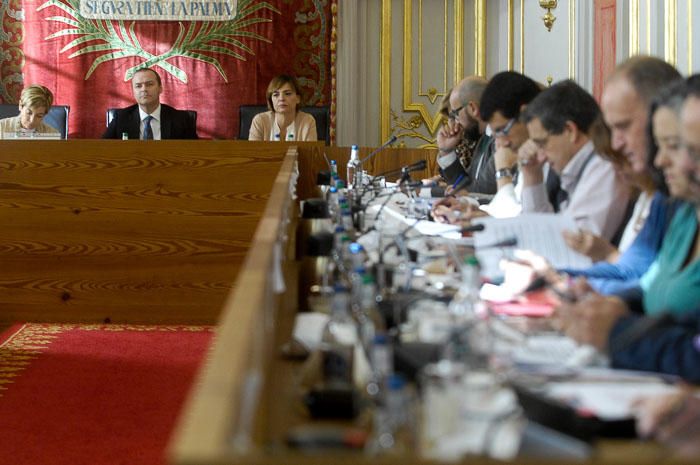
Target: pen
{"points": [[457, 181]]}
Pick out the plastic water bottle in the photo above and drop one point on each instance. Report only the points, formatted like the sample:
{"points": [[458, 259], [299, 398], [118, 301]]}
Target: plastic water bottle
{"points": [[354, 172], [382, 363], [333, 205], [394, 420], [470, 340], [339, 338], [464, 304], [334, 173]]}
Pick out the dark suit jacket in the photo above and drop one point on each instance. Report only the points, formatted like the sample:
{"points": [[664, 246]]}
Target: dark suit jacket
{"points": [[671, 347], [483, 182], [174, 124]]}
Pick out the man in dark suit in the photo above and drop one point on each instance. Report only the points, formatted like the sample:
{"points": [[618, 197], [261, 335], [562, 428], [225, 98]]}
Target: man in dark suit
{"points": [[149, 119]]}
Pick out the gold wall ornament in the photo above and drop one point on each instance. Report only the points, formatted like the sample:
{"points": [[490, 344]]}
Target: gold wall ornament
{"points": [[408, 129], [404, 49], [548, 17], [433, 94]]}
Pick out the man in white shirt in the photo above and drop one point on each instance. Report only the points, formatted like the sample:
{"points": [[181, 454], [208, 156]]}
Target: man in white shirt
{"points": [[149, 119], [558, 121], [502, 101]]}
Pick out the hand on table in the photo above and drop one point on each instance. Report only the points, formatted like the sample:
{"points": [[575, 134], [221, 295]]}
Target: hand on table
{"points": [[590, 318], [593, 246], [673, 419], [452, 210]]}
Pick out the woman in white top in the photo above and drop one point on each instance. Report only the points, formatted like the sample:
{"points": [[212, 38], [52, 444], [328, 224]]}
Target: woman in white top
{"points": [[34, 104], [284, 121]]}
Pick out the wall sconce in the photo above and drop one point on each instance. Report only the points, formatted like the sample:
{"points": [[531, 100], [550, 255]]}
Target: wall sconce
{"points": [[548, 17]]}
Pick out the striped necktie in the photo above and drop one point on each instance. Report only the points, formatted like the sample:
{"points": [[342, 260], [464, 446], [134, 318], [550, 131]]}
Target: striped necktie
{"points": [[147, 131]]}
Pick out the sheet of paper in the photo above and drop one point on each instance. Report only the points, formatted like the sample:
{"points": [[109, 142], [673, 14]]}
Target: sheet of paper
{"points": [[607, 400], [538, 232], [397, 209], [308, 329]]}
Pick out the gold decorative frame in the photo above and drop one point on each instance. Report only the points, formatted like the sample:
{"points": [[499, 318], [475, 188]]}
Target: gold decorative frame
{"points": [[572, 39], [385, 71], [634, 27], [480, 37], [511, 34], [432, 122], [670, 30], [670, 35]]}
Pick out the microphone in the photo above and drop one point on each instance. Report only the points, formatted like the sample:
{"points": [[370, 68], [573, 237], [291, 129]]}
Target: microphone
{"points": [[473, 228], [420, 165], [508, 242], [407, 170], [403, 182], [391, 140], [417, 166], [387, 196]]}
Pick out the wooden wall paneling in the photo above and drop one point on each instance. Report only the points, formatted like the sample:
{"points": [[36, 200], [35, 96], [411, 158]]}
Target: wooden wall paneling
{"points": [[311, 161], [127, 231]]}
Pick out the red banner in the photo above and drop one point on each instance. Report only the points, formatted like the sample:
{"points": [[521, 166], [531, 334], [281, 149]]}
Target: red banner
{"points": [[210, 67]]}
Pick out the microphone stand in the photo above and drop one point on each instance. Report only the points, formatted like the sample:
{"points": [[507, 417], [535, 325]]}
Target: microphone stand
{"points": [[357, 208], [391, 140]]}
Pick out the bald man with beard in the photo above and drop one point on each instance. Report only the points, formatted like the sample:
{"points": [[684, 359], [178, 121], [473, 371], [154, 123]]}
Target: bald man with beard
{"points": [[465, 151]]}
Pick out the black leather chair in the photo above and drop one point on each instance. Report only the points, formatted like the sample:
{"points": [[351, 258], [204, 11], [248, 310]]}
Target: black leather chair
{"points": [[111, 112], [57, 116], [322, 115]]}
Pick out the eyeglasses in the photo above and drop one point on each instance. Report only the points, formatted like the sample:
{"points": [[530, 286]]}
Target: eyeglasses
{"points": [[541, 143], [502, 132], [454, 113]]}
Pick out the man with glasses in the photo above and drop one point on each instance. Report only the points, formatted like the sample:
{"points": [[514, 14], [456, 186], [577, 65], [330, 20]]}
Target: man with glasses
{"points": [[465, 152], [665, 343], [504, 98], [558, 121]]}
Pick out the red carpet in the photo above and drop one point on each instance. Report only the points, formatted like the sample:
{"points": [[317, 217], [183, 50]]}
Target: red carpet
{"points": [[94, 394]]}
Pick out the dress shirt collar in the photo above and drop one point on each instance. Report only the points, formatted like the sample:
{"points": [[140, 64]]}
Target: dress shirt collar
{"points": [[571, 174], [155, 115]]}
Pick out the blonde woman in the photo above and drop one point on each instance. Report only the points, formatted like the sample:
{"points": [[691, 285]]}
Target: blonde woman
{"points": [[284, 121], [34, 104]]}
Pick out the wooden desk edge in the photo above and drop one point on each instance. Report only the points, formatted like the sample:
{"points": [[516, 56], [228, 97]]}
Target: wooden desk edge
{"points": [[205, 428]]}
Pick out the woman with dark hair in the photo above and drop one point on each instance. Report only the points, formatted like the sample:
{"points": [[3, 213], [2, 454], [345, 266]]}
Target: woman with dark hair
{"points": [[284, 121]]}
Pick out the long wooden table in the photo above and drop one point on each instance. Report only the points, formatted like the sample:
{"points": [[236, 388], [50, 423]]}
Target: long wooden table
{"points": [[128, 231], [245, 398]]}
